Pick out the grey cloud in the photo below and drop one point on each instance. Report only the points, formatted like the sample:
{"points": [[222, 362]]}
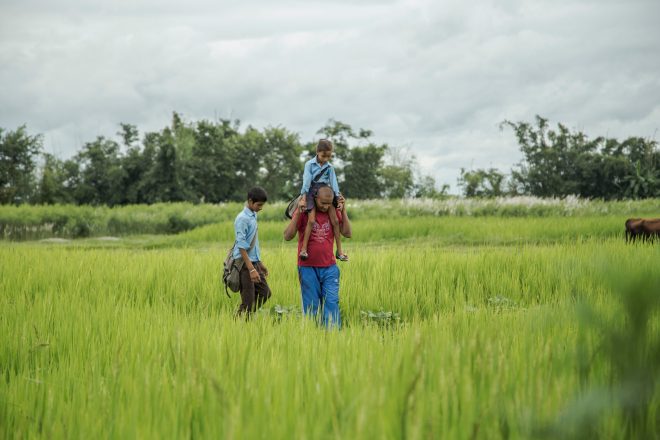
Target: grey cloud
{"points": [[437, 77]]}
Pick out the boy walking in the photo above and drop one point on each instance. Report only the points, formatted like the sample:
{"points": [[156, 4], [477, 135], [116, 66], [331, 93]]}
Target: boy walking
{"points": [[253, 273]]}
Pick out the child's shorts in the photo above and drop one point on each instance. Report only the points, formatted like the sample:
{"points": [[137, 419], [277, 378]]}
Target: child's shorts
{"points": [[311, 194]]}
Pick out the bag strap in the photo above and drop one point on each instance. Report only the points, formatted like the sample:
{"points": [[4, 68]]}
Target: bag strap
{"points": [[318, 176], [252, 243], [254, 239]]}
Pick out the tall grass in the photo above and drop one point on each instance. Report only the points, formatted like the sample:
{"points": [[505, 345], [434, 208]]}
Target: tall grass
{"points": [[142, 343], [436, 230], [34, 222]]}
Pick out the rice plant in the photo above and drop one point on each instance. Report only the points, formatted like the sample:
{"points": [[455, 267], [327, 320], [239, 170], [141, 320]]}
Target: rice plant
{"points": [[453, 328]]}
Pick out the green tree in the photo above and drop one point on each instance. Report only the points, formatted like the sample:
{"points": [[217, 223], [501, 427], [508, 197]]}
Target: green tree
{"points": [[101, 174], [368, 170], [18, 162], [247, 165], [425, 187], [163, 182], [52, 188], [397, 175], [362, 172], [214, 161], [135, 162], [482, 183], [130, 135], [341, 135], [397, 181], [562, 162], [281, 168]]}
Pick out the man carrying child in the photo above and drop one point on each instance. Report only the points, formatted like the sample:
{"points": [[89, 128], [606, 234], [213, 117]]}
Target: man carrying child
{"points": [[318, 273]]}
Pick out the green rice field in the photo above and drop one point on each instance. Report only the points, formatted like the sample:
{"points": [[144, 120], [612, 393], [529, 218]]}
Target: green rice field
{"points": [[455, 326]]}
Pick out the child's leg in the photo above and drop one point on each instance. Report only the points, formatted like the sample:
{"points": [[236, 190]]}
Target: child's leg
{"points": [[335, 228], [311, 219]]}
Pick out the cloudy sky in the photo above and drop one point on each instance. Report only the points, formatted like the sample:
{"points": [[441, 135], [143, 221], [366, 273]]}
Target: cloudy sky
{"points": [[432, 77]]}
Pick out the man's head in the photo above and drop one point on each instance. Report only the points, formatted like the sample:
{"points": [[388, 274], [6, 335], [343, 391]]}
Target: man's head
{"points": [[324, 151], [323, 199], [257, 198]]}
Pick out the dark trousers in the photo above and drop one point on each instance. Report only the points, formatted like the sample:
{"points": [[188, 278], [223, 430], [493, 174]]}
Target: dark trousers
{"points": [[253, 295]]}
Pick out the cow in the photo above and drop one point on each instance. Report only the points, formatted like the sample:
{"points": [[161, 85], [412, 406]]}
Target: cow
{"points": [[650, 229], [647, 229], [633, 228]]}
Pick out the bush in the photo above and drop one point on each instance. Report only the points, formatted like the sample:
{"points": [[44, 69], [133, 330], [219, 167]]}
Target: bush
{"points": [[177, 223]]}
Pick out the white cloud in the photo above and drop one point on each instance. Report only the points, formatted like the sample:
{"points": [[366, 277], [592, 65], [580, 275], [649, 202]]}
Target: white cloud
{"points": [[436, 77]]}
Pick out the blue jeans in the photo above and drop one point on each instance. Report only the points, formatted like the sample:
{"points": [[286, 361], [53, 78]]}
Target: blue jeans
{"points": [[320, 288]]}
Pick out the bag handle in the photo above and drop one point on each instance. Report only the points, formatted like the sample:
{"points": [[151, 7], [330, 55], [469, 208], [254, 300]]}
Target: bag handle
{"points": [[254, 239]]}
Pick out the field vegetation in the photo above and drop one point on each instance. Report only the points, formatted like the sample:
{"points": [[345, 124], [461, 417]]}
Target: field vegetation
{"points": [[462, 319], [29, 222]]}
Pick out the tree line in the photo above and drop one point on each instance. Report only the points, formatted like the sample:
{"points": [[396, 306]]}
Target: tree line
{"points": [[199, 162], [561, 162], [217, 161]]}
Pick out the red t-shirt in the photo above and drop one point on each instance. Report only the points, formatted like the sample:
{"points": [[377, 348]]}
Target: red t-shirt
{"points": [[321, 243]]}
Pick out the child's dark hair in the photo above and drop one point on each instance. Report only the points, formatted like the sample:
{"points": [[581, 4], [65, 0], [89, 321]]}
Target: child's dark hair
{"points": [[257, 194], [324, 145]]}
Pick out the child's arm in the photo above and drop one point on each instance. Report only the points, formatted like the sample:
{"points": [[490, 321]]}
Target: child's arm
{"points": [[333, 181], [307, 178]]}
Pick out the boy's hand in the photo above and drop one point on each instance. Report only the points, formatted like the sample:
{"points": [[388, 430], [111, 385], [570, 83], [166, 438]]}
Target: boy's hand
{"points": [[254, 275]]}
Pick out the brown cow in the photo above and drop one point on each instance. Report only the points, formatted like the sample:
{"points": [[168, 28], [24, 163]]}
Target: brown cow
{"points": [[648, 229], [651, 229], [633, 228]]}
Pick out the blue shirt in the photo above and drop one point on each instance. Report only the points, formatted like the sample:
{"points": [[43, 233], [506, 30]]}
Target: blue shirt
{"points": [[312, 169], [245, 226]]}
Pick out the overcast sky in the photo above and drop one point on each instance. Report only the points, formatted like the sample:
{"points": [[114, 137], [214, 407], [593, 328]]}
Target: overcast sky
{"points": [[435, 77]]}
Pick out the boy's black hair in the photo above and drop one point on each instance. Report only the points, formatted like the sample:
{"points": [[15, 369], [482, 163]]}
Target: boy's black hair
{"points": [[324, 145], [257, 194]]}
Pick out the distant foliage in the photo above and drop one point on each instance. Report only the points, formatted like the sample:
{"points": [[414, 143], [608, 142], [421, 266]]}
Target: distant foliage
{"points": [[561, 162], [18, 154], [199, 162], [67, 221], [388, 219]]}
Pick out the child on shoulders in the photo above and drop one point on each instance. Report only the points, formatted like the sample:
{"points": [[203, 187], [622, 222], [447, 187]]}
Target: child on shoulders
{"points": [[319, 172]]}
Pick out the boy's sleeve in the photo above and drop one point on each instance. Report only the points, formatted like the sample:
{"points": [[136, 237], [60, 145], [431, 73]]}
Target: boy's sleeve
{"points": [[241, 232], [307, 178], [333, 181]]}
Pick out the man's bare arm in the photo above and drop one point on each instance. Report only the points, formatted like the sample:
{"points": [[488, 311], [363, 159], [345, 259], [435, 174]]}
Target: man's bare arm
{"points": [[292, 227], [346, 222]]}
